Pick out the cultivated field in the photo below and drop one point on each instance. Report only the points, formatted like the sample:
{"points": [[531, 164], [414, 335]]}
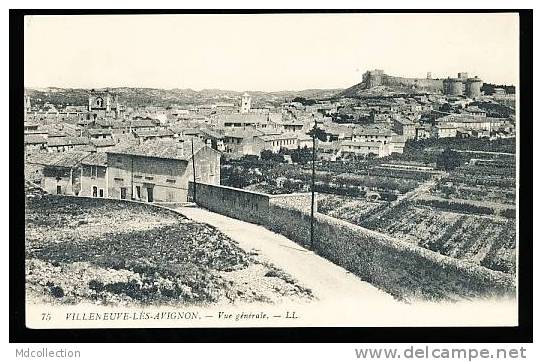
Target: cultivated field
{"points": [[354, 178], [468, 213], [350, 209], [483, 240], [492, 181]]}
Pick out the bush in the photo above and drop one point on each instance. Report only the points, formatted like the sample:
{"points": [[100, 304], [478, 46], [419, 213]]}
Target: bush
{"points": [[386, 196], [507, 145], [304, 101], [113, 262], [96, 285], [56, 291], [131, 289], [301, 155], [249, 158], [448, 160], [269, 155]]}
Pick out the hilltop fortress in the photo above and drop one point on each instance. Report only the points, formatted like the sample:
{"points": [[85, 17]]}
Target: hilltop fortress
{"points": [[462, 85]]}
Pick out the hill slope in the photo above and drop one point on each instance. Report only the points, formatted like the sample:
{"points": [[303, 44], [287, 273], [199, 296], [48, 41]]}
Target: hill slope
{"points": [[134, 97]]}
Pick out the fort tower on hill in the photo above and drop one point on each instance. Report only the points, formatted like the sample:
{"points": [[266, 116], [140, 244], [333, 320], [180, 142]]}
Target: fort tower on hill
{"points": [[462, 85]]}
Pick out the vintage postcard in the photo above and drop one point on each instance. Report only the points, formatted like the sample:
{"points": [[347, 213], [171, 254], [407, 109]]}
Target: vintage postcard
{"points": [[271, 170]]}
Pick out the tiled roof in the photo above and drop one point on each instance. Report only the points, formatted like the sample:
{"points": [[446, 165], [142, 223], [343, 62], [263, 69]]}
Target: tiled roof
{"points": [[65, 141], [445, 126], [160, 149], [95, 159], [191, 131], [337, 129], [242, 133], [103, 142], [404, 121], [361, 144], [98, 131], [112, 123], [398, 139], [372, 131], [212, 133], [293, 123], [64, 159], [57, 134], [269, 131], [304, 137], [244, 118], [178, 128], [277, 137], [154, 133], [34, 139], [141, 123]]}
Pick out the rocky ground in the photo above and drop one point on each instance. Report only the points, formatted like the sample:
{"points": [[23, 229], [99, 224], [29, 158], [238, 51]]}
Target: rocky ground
{"points": [[112, 252]]}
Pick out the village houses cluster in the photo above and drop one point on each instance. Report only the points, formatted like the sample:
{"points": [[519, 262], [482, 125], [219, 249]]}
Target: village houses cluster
{"points": [[109, 149]]}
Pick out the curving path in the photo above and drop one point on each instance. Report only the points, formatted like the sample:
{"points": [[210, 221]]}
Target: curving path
{"points": [[326, 280]]}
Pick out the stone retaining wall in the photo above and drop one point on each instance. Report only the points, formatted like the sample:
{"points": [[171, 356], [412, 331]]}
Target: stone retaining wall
{"points": [[404, 270]]}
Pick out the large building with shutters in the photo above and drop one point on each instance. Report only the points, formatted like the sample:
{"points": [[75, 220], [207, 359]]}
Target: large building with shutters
{"points": [[159, 171]]}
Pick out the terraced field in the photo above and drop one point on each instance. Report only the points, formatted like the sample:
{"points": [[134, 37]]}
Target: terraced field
{"points": [[354, 210], [484, 240], [483, 179]]}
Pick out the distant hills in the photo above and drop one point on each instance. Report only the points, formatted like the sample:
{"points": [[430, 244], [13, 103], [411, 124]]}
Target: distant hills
{"points": [[136, 97]]}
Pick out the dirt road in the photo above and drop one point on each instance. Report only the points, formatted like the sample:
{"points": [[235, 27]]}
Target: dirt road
{"points": [[326, 280]]}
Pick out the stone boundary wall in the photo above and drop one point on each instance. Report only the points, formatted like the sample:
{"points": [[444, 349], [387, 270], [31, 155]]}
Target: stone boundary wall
{"points": [[430, 84], [404, 270], [237, 203]]}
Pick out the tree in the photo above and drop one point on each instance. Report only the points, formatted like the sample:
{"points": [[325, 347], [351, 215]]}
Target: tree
{"points": [[371, 156], [304, 101], [268, 155], [448, 160], [301, 155], [284, 151], [319, 133], [446, 107], [250, 159]]}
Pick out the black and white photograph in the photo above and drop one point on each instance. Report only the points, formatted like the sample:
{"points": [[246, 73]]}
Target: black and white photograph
{"points": [[234, 170]]}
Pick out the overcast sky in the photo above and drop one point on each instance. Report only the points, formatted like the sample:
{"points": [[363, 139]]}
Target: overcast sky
{"points": [[265, 52]]}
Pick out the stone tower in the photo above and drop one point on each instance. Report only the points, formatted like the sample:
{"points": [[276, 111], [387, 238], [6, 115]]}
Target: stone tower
{"points": [[245, 103], [107, 102]]}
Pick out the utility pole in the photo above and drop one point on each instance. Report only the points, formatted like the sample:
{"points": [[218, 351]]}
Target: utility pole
{"points": [[312, 182], [132, 177], [193, 172]]}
